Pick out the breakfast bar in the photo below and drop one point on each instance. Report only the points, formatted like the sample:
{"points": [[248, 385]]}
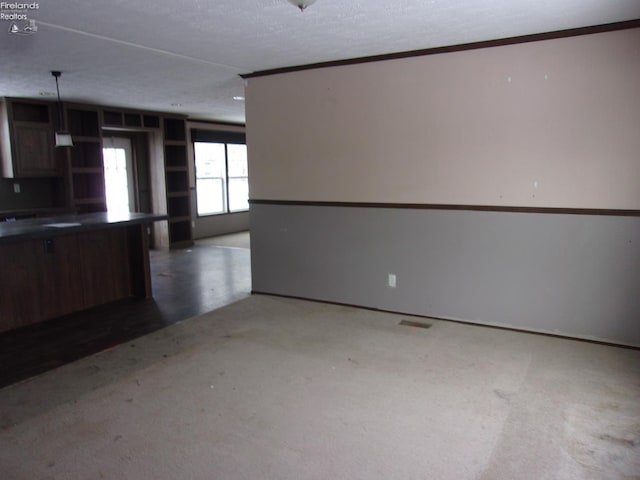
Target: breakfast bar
{"points": [[57, 265]]}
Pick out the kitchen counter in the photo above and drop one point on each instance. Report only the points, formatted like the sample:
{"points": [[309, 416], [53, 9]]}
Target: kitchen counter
{"points": [[42, 227], [53, 266]]}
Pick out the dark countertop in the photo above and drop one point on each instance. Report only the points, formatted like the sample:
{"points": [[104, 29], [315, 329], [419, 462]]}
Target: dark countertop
{"points": [[35, 212], [43, 227]]}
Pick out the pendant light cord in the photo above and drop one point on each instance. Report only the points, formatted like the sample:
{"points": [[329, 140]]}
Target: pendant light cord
{"points": [[60, 114]]}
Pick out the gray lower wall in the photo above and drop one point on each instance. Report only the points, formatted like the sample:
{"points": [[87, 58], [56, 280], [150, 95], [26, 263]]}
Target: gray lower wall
{"points": [[576, 275]]}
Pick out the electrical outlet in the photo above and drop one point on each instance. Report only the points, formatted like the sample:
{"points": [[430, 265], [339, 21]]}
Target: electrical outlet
{"points": [[16, 188], [391, 280]]}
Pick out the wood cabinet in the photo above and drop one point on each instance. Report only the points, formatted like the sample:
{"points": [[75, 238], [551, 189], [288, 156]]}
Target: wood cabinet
{"points": [[27, 139], [49, 272]]}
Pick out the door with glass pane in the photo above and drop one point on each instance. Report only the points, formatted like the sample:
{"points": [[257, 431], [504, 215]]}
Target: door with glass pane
{"points": [[119, 175]]}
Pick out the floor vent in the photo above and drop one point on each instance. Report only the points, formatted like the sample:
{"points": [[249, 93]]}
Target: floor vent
{"points": [[409, 323]]}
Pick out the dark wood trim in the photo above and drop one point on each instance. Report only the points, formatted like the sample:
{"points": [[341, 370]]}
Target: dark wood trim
{"points": [[462, 322], [437, 206], [213, 123], [536, 37]]}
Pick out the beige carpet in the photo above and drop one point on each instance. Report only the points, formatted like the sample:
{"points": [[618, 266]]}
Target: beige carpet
{"points": [[234, 240], [273, 388]]}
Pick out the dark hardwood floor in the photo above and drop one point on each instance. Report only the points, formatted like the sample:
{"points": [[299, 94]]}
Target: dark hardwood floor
{"points": [[185, 283]]}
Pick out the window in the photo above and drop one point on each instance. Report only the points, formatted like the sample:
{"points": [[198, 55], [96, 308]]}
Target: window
{"points": [[238, 181], [222, 184], [210, 177]]}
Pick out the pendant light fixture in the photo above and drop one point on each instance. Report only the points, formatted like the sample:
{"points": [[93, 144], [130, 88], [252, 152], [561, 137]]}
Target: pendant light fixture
{"points": [[302, 4], [63, 137]]}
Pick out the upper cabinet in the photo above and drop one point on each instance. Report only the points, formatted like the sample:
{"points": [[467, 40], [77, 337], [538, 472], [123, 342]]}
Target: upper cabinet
{"points": [[26, 139]]}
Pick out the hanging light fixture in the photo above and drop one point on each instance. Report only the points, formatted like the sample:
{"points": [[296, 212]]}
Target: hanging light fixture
{"points": [[302, 4], [63, 137]]}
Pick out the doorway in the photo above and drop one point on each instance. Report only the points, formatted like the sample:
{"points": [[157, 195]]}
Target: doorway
{"points": [[119, 175]]}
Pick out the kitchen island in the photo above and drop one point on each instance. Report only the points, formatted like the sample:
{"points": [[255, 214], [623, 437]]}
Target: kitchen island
{"points": [[57, 265]]}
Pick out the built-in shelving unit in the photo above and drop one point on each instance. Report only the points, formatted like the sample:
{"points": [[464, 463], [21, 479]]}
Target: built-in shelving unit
{"points": [[177, 182], [86, 165], [173, 173], [112, 118], [27, 138]]}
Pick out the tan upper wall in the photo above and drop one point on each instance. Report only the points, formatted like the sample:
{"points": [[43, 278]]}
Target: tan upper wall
{"points": [[554, 123]]}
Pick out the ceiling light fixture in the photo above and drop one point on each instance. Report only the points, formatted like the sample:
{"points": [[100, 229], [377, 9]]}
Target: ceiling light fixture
{"points": [[63, 137], [239, 98], [302, 4]]}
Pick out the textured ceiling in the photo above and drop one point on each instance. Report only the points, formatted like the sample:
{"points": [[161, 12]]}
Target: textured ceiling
{"points": [[186, 57]]}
